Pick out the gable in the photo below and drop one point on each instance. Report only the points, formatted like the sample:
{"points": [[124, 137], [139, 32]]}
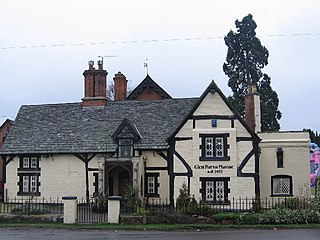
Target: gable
{"points": [[213, 103], [126, 130], [148, 90]]}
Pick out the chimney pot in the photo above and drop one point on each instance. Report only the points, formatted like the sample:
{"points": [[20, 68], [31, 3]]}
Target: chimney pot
{"points": [[100, 65], [95, 82], [91, 63]]}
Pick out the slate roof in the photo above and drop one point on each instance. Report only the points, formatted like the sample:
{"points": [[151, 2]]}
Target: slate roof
{"points": [[70, 128]]}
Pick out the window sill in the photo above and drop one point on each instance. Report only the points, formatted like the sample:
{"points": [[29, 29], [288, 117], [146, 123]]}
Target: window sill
{"points": [[29, 169], [152, 195], [216, 203], [214, 158], [28, 194], [281, 195]]}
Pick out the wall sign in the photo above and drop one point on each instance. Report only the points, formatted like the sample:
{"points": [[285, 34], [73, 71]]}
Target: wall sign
{"points": [[213, 122], [213, 168]]}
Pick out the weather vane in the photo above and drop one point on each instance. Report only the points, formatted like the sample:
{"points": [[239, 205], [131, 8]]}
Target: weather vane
{"points": [[146, 66]]}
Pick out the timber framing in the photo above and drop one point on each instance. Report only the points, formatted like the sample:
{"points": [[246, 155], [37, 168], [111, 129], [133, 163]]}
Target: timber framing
{"points": [[86, 158]]}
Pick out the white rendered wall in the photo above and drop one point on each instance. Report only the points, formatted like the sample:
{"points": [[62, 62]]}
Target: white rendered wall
{"points": [[213, 104], [296, 160]]}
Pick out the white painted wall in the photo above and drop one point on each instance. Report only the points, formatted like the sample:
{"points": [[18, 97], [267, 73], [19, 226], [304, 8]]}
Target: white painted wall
{"points": [[295, 146], [155, 160], [213, 104], [61, 175]]}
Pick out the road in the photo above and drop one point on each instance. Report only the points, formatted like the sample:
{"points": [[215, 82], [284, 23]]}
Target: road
{"points": [[54, 234]]}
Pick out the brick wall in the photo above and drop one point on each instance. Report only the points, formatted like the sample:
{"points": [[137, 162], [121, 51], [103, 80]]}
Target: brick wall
{"points": [[149, 95]]}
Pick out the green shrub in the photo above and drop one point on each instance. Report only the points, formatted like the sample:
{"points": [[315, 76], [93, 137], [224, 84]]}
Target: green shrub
{"points": [[283, 216], [184, 199], [249, 218], [289, 203]]}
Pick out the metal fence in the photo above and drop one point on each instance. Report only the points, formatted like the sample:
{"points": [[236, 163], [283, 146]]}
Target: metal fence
{"points": [[96, 212], [233, 205], [31, 206], [92, 212]]}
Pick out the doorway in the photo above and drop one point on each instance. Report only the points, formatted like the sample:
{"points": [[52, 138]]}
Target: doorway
{"points": [[118, 180]]}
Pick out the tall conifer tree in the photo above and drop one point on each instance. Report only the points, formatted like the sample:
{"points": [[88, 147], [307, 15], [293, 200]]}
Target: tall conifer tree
{"points": [[245, 60]]}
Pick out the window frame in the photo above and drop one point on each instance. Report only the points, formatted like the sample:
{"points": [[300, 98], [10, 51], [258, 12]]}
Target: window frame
{"points": [[214, 143], [29, 166], [123, 146], [279, 153], [28, 159], [21, 185], [290, 187], [215, 180], [155, 176]]}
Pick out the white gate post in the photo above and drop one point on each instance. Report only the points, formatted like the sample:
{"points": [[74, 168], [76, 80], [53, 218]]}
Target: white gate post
{"points": [[69, 209], [114, 209]]}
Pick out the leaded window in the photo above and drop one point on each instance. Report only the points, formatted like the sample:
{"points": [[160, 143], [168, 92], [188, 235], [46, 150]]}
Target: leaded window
{"points": [[151, 184], [214, 147], [281, 185], [210, 190], [29, 176], [219, 147], [29, 184], [215, 190]]}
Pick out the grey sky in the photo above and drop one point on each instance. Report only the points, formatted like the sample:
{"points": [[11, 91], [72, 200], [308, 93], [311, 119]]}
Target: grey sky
{"points": [[35, 71]]}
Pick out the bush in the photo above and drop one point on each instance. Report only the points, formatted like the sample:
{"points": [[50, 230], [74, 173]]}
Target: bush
{"points": [[289, 203], [219, 217], [249, 218], [281, 216], [201, 210], [184, 199]]}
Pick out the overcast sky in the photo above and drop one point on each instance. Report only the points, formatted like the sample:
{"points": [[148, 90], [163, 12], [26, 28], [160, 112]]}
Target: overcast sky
{"points": [[45, 47]]}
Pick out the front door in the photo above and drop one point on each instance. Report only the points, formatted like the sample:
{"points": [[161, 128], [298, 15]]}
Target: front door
{"points": [[119, 179]]}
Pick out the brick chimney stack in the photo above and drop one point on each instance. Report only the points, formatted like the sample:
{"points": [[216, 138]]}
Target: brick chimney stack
{"points": [[95, 86], [252, 109], [120, 87]]}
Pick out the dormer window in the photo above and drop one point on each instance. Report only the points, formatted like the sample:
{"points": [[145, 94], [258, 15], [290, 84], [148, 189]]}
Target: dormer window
{"points": [[126, 136], [125, 147]]}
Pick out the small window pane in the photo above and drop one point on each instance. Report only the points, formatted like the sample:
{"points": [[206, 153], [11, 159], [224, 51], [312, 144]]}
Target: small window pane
{"points": [[220, 191], [151, 185], [209, 147], [34, 162], [25, 184], [125, 151], [125, 142], [209, 190], [25, 162], [219, 147], [33, 180]]}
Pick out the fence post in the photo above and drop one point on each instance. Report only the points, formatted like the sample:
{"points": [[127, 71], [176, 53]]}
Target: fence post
{"points": [[114, 209], [69, 209]]}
